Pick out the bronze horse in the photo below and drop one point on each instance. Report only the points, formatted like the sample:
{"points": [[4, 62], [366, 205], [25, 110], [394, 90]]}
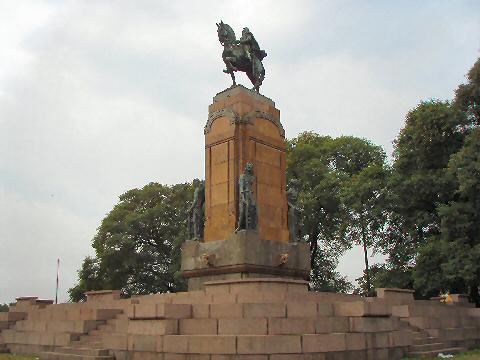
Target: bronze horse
{"points": [[241, 55]]}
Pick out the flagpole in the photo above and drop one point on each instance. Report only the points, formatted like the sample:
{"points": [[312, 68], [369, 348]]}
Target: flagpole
{"points": [[56, 290]]}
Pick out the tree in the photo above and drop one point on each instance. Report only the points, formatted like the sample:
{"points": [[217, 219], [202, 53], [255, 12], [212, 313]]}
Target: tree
{"points": [[4, 307], [364, 200], [460, 223], [433, 131], [137, 246], [325, 168], [467, 96]]}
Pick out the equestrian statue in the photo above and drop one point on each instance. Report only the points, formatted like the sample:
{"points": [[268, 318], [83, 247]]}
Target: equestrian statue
{"points": [[242, 55]]}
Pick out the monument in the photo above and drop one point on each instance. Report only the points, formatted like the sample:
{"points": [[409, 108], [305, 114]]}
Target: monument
{"points": [[247, 232]]}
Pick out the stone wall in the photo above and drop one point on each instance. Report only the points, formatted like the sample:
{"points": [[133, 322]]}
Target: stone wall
{"points": [[265, 319]]}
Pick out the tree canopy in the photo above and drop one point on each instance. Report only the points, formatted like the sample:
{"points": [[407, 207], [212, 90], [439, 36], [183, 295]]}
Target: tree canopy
{"points": [[137, 244]]}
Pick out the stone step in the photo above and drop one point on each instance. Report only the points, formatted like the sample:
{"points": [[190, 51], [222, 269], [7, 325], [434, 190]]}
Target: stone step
{"points": [[424, 340], [107, 327], [89, 344], [62, 356], [434, 353], [428, 347], [92, 337], [82, 351]]}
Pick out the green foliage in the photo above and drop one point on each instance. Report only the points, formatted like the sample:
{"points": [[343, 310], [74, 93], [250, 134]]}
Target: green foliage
{"points": [[4, 307], [137, 246], [385, 276], [467, 96], [327, 169], [433, 221]]}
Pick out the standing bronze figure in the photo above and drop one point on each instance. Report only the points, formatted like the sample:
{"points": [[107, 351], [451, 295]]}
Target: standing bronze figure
{"points": [[293, 210], [247, 218], [242, 55], [196, 214]]}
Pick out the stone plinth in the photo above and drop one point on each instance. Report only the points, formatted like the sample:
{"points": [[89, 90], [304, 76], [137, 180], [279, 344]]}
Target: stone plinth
{"points": [[243, 255], [102, 295], [244, 126], [396, 296]]}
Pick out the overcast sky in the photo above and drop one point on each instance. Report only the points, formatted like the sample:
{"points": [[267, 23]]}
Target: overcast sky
{"points": [[98, 97]]}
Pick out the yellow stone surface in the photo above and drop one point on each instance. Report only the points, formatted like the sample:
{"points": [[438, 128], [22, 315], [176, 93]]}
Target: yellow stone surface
{"points": [[244, 126]]}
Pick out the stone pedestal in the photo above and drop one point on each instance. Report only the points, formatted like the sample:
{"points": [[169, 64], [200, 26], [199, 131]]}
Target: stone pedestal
{"points": [[244, 126], [243, 255]]}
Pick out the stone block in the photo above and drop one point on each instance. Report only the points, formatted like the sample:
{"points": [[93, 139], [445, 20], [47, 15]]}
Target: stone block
{"points": [[290, 326], [197, 326], [121, 325], [324, 343], [347, 355], [355, 341], [400, 338], [268, 344], [376, 340], [142, 342], [254, 326], [175, 344], [162, 311], [217, 344], [395, 296], [261, 297], [361, 308], [224, 298], [264, 310], [115, 341], [144, 355], [168, 356], [377, 354], [222, 311], [145, 311], [200, 311], [475, 312], [102, 295], [298, 357], [324, 309], [153, 327], [370, 324], [308, 310], [239, 357], [62, 339], [331, 324], [12, 316]]}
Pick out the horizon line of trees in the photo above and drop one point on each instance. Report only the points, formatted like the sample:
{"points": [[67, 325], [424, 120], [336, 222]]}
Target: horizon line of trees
{"points": [[421, 210]]}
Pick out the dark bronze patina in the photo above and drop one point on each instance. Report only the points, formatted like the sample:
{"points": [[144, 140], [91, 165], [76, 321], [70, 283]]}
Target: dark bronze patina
{"points": [[242, 55], [247, 218], [293, 210], [196, 215]]}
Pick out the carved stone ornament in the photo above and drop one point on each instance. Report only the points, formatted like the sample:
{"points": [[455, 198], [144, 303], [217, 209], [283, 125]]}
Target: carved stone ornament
{"points": [[282, 259], [237, 119], [208, 259]]}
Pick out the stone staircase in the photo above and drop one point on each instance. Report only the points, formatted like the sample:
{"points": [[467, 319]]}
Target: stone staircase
{"points": [[87, 347], [427, 346]]}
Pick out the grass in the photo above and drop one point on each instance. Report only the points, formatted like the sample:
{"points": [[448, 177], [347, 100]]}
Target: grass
{"points": [[17, 357], [471, 355]]}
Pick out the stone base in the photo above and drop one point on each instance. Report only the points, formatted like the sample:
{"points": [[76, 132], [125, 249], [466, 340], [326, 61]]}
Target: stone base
{"points": [[242, 256]]}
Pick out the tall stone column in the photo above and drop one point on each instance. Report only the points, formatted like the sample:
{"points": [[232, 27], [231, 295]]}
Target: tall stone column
{"points": [[244, 126]]}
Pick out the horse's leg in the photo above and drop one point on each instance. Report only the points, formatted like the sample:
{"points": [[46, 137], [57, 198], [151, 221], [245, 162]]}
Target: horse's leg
{"points": [[232, 74]]}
